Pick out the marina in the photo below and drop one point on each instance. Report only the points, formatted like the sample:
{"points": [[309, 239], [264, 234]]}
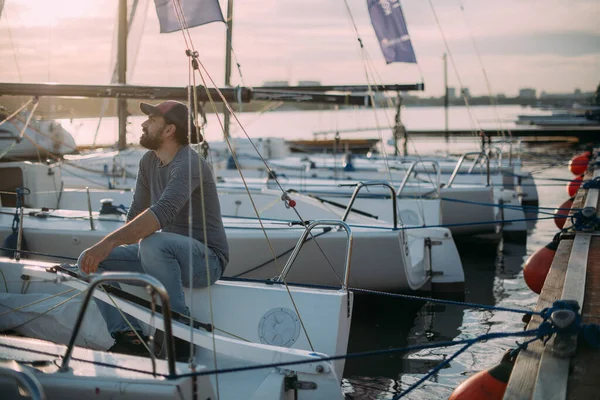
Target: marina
{"points": [[297, 240]]}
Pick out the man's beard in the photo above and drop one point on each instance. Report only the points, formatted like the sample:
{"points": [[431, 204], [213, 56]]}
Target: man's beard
{"points": [[150, 142]]}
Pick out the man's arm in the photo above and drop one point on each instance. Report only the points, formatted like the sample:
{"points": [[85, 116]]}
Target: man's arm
{"points": [[141, 226]]}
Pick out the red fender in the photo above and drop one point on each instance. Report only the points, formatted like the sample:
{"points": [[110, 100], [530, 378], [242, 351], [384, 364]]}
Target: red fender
{"points": [[562, 212]]}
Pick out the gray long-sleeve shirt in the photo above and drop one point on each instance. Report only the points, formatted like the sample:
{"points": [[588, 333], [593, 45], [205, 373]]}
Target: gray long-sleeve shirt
{"points": [[165, 190]]}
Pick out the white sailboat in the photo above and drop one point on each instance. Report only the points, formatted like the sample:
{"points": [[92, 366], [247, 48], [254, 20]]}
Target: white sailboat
{"points": [[386, 256], [28, 137], [251, 324]]}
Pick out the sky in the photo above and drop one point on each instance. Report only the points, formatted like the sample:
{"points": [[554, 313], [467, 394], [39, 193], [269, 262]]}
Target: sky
{"points": [[548, 45]]}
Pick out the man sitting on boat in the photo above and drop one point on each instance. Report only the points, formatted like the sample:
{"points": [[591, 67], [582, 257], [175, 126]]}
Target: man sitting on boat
{"points": [[156, 239]]}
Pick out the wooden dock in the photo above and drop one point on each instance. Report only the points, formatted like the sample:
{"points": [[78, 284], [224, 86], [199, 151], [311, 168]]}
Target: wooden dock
{"points": [[538, 373]]}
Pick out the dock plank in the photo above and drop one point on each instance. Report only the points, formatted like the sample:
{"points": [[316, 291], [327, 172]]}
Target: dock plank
{"points": [[584, 380], [524, 374]]}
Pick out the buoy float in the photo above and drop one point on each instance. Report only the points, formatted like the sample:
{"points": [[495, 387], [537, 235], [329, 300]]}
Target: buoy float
{"points": [[489, 384], [562, 212], [579, 163], [538, 264], [573, 186]]}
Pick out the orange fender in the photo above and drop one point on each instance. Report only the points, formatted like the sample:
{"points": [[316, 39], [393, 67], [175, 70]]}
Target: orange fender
{"points": [[573, 186], [562, 212], [537, 266], [489, 384], [579, 163]]}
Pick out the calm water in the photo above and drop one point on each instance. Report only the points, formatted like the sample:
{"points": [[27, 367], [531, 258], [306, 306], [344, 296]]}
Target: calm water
{"points": [[302, 124], [492, 277]]}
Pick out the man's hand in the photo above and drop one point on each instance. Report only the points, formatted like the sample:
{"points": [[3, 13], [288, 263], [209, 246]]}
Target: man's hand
{"points": [[95, 255]]}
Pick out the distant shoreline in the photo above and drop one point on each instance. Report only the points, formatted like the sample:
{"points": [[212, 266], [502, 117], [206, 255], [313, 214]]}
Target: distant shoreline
{"points": [[57, 107]]}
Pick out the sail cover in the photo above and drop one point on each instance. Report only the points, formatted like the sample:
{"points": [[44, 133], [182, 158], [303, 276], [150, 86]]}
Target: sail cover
{"points": [[196, 12], [390, 28]]}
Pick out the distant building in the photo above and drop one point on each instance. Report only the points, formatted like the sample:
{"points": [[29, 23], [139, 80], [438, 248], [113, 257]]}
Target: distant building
{"points": [[465, 92], [501, 96], [276, 83], [309, 83], [576, 95], [527, 93], [451, 93]]}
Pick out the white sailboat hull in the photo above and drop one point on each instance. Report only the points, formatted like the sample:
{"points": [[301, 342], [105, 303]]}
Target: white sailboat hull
{"points": [[382, 258], [41, 139], [238, 308]]}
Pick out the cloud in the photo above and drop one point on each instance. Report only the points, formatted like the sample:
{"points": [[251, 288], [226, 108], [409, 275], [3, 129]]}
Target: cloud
{"points": [[564, 43], [315, 39]]}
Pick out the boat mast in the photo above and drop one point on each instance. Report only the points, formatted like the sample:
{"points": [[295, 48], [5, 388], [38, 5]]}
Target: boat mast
{"points": [[446, 133], [228, 38], [122, 72]]}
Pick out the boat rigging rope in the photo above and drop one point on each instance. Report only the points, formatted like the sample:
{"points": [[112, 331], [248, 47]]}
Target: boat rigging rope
{"points": [[228, 106], [493, 101], [15, 113], [368, 64], [45, 312], [32, 303], [194, 64], [29, 117], [475, 124]]}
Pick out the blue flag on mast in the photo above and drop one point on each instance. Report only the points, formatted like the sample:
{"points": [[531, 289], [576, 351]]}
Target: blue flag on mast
{"points": [[390, 28], [196, 12]]}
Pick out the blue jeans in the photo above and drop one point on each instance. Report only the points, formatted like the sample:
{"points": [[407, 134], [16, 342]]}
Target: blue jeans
{"points": [[164, 256]]}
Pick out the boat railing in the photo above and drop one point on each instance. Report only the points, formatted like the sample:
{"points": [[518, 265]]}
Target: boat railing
{"points": [[510, 143], [361, 185], [322, 222], [126, 277], [490, 153], [24, 378], [462, 160], [436, 169]]}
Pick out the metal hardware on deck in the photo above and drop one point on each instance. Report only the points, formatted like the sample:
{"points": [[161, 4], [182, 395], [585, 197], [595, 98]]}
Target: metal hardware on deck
{"points": [[294, 255], [462, 159], [87, 189], [436, 169], [292, 383], [565, 344], [19, 235], [510, 149], [126, 277], [24, 378], [490, 148], [593, 196], [428, 243], [553, 372], [359, 186]]}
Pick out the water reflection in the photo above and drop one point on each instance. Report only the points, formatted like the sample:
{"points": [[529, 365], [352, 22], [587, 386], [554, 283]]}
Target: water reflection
{"points": [[385, 322]]}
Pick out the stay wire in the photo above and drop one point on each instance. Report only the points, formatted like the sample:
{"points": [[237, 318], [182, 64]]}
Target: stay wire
{"points": [[239, 170], [493, 102], [472, 120]]}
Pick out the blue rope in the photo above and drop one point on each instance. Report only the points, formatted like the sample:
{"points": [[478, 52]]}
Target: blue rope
{"points": [[582, 222], [447, 302], [544, 332], [406, 349], [593, 184], [508, 206], [388, 294], [436, 369]]}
